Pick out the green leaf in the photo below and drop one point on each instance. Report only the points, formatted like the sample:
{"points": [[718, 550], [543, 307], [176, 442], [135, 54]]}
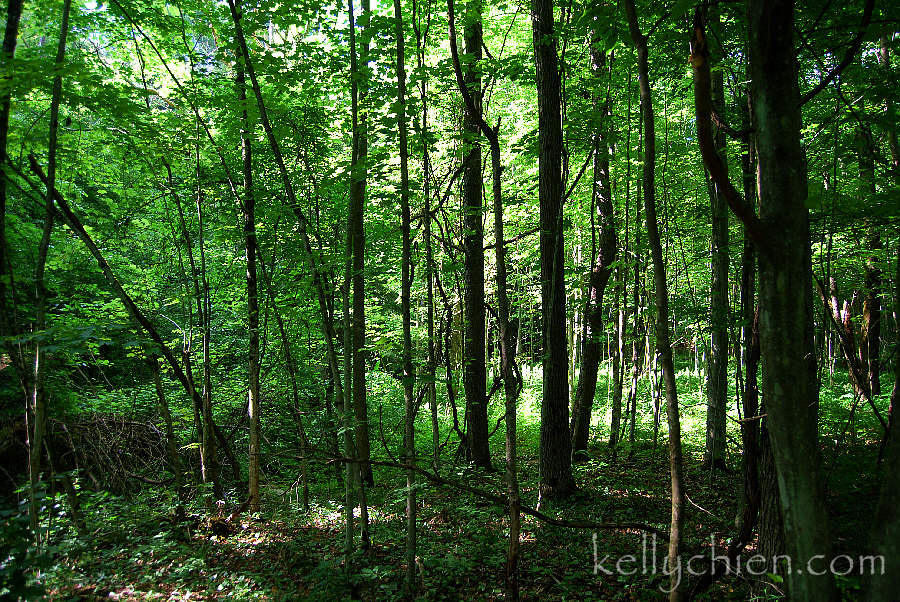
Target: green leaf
{"points": [[681, 7]]}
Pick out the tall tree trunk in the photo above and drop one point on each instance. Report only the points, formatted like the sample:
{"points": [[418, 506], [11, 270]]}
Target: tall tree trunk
{"points": [[354, 414], [474, 371], [749, 358], [10, 37], [601, 269], [208, 435], [663, 345], [717, 373], [248, 209], [359, 65], [784, 275], [39, 392], [771, 524], [555, 461], [409, 400]]}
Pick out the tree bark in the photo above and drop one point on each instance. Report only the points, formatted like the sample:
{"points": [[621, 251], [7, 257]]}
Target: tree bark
{"points": [[555, 453], [618, 369], [717, 372], [356, 236], [895, 392], [474, 344], [354, 414], [783, 276], [10, 38], [248, 210], [663, 345], [409, 400], [885, 536], [601, 269]]}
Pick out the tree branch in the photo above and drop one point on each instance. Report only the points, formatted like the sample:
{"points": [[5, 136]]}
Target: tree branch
{"points": [[848, 58], [711, 159]]}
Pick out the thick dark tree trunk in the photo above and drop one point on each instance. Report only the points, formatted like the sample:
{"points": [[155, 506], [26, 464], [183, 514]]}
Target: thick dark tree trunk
{"points": [[555, 452], [717, 372], [356, 241], [601, 201], [10, 37], [771, 525], [663, 344], [784, 275], [474, 371]]}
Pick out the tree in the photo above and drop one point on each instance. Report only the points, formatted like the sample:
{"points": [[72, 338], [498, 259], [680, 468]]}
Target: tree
{"points": [[38, 407], [512, 381], [10, 39], [248, 210], [356, 238], [783, 275], [556, 445], [409, 401], [601, 270], [717, 383], [663, 344], [474, 372]]}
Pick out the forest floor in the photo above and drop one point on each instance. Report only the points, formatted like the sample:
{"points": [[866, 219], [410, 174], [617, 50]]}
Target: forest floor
{"points": [[140, 548]]}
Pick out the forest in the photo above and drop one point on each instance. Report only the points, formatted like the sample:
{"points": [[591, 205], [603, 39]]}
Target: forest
{"points": [[449, 300]]}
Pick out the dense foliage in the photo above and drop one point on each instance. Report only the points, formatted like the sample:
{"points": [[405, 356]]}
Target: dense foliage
{"points": [[129, 313]]}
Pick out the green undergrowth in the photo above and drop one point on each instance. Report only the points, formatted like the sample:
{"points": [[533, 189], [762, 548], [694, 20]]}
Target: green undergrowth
{"points": [[145, 546]]}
